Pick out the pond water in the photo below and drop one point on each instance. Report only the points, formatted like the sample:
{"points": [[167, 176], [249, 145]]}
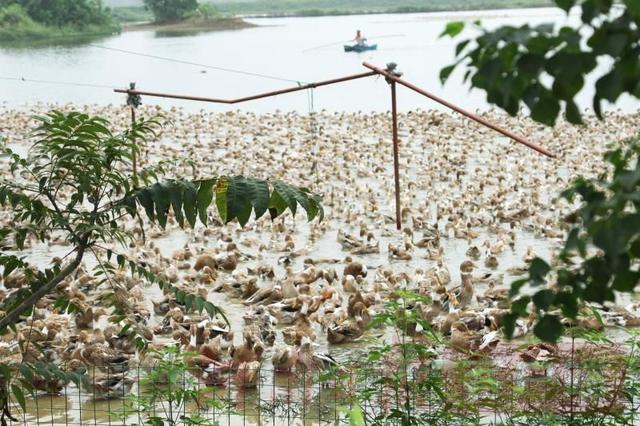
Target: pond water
{"points": [[282, 47]]}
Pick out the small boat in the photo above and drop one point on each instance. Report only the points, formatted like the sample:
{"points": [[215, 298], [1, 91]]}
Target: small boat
{"points": [[358, 48]]}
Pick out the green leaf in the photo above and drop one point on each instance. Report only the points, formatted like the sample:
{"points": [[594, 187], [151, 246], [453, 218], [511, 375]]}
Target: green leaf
{"points": [[175, 190], [146, 201], [162, 201], [461, 46], [543, 299], [519, 306], [548, 328], [509, 324], [204, 198], [538, 270], [626, 281], [17, 392], [288, 194], [565, 5], [516, 286], [453, 29], [238, 200], [356, 418], [445, 73], [633, 6], [546, 110], [189, 203], [221, 198], [610, 86], [259, 194]]}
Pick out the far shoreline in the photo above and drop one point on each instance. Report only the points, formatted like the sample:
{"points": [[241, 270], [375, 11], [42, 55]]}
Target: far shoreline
{"points": [[311, 13], [190, 25]]}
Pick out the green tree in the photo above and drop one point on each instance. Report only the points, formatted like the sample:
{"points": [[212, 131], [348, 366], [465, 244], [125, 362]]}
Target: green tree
{"points": [[171, 10], [59, 13], [544, 67], [76, 183]]}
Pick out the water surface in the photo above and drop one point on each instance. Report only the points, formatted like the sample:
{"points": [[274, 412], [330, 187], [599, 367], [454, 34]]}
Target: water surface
{"points": [[283, 47]]}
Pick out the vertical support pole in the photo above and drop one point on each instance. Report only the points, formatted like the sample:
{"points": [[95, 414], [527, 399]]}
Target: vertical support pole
{"points": [[134, 156], [134, 101], [396, 161]]}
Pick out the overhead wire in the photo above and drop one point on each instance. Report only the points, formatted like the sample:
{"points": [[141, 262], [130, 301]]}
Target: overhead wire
{"points": [[57, 82], [214, 67]]}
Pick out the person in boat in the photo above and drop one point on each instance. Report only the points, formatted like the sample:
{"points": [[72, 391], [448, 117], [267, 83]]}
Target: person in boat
{"points": [[360, 39]]}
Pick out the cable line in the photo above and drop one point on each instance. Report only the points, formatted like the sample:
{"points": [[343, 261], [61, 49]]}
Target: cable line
{"points": [[62, 83], [180, 61]]}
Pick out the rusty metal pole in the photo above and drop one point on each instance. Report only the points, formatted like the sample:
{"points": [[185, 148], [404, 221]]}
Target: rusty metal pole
{"points": [[134, 156], [396, 160], [134, 101]]}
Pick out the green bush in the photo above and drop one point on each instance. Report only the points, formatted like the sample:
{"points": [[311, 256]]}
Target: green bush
{"points": [[14, 15], [59, 13]]}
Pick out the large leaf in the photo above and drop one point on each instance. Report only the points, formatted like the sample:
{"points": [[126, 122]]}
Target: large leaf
{"points": [[235, 198]]}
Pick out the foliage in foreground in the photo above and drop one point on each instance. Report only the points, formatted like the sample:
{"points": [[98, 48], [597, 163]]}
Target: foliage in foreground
{"points": [[601, 252], [76, 184], [170, 395], [543, 67], [408, 380]]}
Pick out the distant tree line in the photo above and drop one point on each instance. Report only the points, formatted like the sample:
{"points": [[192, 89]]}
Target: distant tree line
{"points": [[61, 13], [177, 10]]}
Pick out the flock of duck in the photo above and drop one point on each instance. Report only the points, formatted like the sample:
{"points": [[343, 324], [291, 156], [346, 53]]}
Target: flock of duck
{"points": [[300, 296]]}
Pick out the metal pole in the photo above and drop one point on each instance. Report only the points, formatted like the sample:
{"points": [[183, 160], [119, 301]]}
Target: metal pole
{"points": [[396, 162], [253, 97], [134, 149], [457, 109]]}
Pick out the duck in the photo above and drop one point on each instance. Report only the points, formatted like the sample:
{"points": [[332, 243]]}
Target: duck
{"points": [[350, 330], [248, 374], [250, 350], [284, 359], [398, 253], [265, 295], [539, 352], [104, 357], [109, 386], [308, 361], [466, 341], [473, 252], [302, 328], [208, 371], [354, 268]]}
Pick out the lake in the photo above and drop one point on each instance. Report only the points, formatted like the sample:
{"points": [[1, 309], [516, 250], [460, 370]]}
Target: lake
{"points": [[283, 47]]}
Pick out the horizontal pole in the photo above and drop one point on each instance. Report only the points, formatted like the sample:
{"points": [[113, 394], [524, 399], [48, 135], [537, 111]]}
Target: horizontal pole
{"points": [[462, 111], [249, 98]]}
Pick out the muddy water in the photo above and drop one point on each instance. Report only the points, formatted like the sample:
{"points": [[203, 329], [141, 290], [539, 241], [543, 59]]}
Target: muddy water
{"points": [[442, 165]]}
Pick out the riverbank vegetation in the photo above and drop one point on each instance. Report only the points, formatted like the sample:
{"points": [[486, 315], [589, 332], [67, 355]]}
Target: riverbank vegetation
{"points": [[355, 7], [29, 21], [42, 19], [179, 17], [132, 12]]}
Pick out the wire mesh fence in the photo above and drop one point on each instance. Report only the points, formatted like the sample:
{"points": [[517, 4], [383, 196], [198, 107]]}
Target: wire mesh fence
{"points": [[602, 392]]}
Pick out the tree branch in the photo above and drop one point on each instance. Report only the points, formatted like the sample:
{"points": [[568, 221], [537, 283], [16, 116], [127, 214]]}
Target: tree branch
{"points": [[29, 302]]}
